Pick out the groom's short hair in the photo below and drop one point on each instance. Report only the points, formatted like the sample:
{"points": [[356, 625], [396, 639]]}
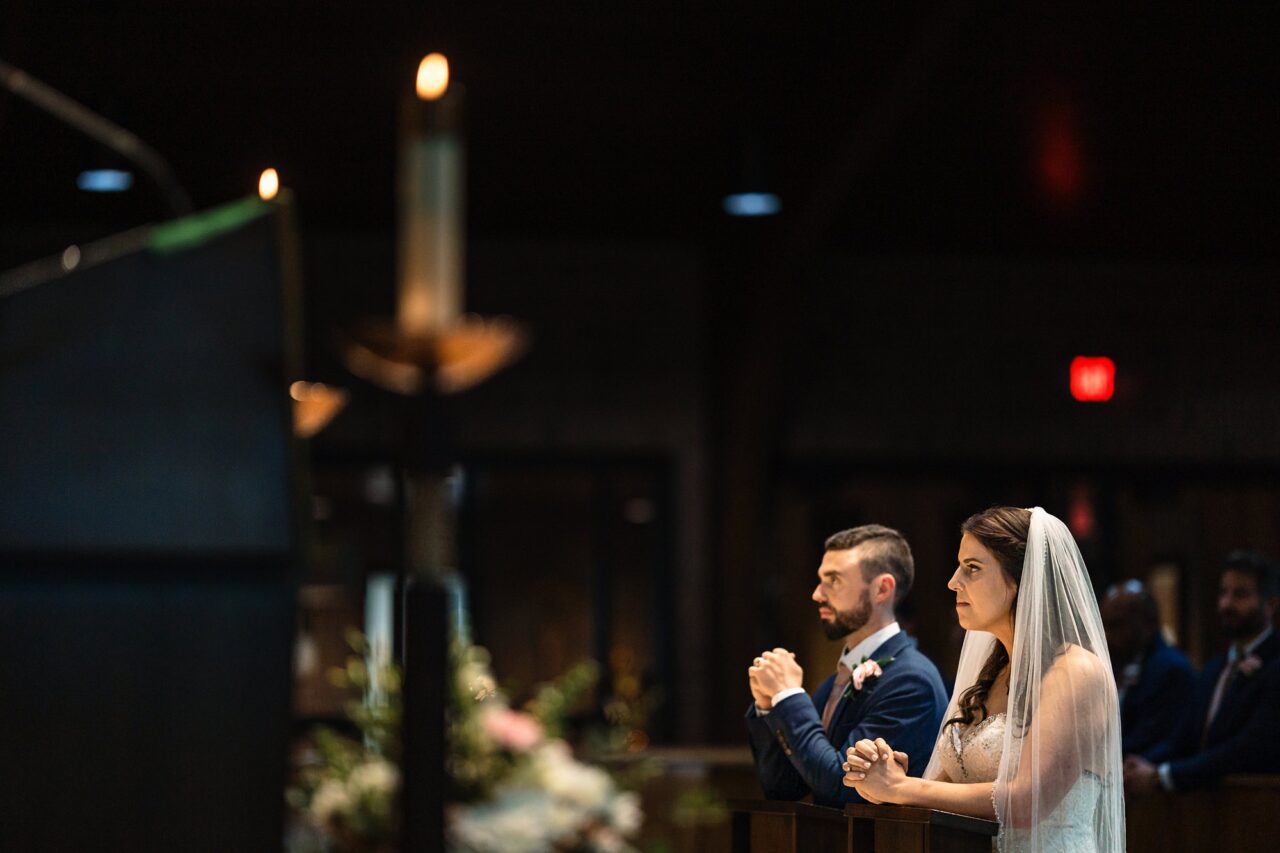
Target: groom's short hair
{"points": [[889, 553]]}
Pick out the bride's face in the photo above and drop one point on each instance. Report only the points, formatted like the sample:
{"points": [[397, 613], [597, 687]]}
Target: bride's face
{"points": [[984, 593]]}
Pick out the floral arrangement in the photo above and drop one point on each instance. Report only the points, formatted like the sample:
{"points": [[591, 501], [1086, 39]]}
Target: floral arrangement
{"points": [[517, 786], [347, 788]]}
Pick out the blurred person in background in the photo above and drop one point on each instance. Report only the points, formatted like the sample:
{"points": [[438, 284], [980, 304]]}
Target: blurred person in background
{"points": [[1234, 725], [1153, 678]]}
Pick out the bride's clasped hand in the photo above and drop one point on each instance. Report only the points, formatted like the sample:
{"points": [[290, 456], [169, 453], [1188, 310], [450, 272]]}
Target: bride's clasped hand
{"points": [[876, 770]]}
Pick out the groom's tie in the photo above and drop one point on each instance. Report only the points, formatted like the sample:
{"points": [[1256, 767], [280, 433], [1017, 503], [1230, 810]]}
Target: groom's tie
{"points": [[1224, 681], [843, 676]]}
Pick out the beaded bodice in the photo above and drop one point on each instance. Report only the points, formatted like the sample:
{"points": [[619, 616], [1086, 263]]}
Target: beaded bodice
{"points": [[972, 753]]}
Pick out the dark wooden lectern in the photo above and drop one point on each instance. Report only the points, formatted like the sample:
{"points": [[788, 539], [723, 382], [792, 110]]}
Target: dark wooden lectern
{"points": [[766, 826], [151, 524]]}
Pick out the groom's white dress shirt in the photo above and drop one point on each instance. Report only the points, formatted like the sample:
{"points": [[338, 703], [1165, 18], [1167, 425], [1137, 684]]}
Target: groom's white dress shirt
{"points": [[849, 657]]}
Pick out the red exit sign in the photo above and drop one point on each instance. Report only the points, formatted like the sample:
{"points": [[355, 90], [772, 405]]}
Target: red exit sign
{"points": [[1093, 378]]}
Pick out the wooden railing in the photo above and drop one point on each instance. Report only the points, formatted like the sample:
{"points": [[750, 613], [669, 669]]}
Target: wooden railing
{"points": [[903, 829], [765, 826], [1240, 815]]}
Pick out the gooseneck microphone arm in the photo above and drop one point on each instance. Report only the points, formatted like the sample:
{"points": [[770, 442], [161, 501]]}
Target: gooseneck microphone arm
{"points": [[98, 128]]}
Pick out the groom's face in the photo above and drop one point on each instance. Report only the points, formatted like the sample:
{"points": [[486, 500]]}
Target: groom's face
{"points": [[842, 594]]}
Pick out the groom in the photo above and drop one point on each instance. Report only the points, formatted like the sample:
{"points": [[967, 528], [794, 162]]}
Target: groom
{"points": [[882, 687]]}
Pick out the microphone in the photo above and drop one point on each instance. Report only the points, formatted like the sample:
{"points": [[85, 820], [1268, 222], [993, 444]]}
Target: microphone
{"points": [[105, 132]]}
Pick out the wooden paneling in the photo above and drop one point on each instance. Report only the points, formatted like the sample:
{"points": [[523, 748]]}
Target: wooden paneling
{"points": [[773, 833], [819, 828]]}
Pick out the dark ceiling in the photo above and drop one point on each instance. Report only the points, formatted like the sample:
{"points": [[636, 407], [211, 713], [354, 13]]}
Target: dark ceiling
{"points": [[946, 127]]}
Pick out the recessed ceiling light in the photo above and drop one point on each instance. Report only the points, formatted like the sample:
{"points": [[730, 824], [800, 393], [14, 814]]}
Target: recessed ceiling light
{"points": [[104, 180], [752, 204]]}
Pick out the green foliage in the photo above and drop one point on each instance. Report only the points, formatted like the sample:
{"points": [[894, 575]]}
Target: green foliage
{"points": [[375, 703], [474, 762], [348, 788], [555, 701], [514, 778], [700, 806]]}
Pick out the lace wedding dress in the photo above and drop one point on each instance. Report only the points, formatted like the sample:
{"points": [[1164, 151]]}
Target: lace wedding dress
{"points": [[972, 754]]}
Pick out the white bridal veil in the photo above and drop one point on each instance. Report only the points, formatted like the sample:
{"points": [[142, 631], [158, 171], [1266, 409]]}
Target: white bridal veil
{"points": [[1059, 785]]}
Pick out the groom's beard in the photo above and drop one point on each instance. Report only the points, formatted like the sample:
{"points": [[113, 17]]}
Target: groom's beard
{"points": [[848, 621]]}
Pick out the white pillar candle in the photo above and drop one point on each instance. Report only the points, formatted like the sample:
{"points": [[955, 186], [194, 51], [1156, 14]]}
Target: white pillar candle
{"points": [[431, 195]]}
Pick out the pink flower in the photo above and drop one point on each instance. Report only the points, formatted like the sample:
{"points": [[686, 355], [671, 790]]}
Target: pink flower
{"points": [[863, 671], [514, 730]]}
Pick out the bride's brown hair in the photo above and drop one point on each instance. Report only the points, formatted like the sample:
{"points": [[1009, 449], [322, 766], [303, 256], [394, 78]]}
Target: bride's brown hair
{"points": [[1002, 530]]}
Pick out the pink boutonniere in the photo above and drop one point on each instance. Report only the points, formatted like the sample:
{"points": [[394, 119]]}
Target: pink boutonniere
{"points": [[1249, 665], [864, 671]]}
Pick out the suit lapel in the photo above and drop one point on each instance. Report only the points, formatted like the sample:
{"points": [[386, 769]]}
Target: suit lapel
{"points": [[848, 711], [1268, 648], [1240, 692]]}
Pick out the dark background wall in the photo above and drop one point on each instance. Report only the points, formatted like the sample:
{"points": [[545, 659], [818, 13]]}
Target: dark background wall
{"points": [[972, 193]]}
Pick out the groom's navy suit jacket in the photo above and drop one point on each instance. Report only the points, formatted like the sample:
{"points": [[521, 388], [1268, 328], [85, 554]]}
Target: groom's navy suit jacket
{"points": [[1242, 737], [793, 754]]}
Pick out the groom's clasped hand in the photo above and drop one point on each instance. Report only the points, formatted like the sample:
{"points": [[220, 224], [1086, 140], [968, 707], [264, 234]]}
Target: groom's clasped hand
{"points": [[771, 673]]}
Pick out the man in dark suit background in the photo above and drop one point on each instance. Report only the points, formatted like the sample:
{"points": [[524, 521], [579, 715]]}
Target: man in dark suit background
{"points": [[883, 686], [1235, 724], [1154, 679]]}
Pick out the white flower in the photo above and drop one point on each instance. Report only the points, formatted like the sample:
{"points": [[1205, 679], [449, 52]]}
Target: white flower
{"points": [[474, 676], [624, 813], [579, 784], [377, 775], [330, 799], [607, 841], [515, 821], [564, 819]]}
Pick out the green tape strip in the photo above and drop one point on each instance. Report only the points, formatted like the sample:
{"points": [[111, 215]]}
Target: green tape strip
{"points": [[190, 231]]}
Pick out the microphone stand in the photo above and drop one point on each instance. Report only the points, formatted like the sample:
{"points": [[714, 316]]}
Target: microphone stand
{"points": [[101, 130]]}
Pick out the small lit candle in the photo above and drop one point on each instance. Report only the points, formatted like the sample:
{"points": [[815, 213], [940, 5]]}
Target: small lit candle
{"points": [[268, 184], [431, 196]]}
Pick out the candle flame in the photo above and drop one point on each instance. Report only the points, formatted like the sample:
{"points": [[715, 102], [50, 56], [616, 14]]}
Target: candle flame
{"points": [[268, 184], [433, 76]]}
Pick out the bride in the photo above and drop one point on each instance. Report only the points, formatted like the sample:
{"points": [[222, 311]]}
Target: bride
{"points": [[1032, 735]]}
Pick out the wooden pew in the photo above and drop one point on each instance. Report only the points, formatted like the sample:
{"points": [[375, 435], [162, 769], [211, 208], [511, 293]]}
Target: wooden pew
{"points": [[1240, 814]]}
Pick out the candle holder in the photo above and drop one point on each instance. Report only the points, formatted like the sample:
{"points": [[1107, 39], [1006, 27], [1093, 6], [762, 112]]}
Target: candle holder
{"points": [[455, 358], [430, 345]]}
